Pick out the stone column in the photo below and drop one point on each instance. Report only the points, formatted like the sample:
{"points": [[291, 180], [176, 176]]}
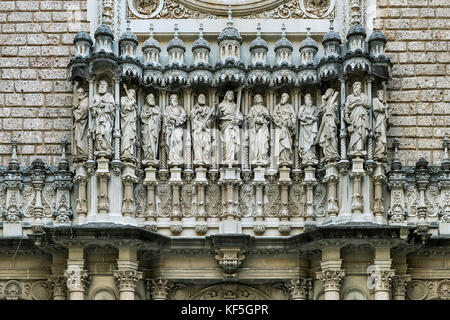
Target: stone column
{"points": [[116, 163], [343, 162], [399, 286], [90, 162], [331, 178], [380, 273], [370, 140], [201, 225], [298, 288], [309, 181], [379, 178], [284, 181], [57, 280], [331, 275], [77, 277], [126, 274], [160, 289], [151, 214]]}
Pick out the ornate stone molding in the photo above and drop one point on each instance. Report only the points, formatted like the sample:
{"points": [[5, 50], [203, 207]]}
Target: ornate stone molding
{"points": [[230, 260], [331, 279], [59, 286], [298, 288], [160, 288], [399, 286], [77, 280]]}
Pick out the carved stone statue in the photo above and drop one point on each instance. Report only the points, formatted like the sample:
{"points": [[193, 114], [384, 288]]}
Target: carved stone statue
{"points": [[284, 120], [128, 114], [258, 120], [328, 131], [381, 115], [230, 119], [151, 125], [202, 119], [80, 124], [357, 118], [174, 119], [102, 110], [309, 117]]}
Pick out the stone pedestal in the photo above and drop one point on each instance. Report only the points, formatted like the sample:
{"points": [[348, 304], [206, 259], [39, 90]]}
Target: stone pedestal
{"points": [[128, 179], [309, 181], [201, 226], [284, 181], [331, 178], [176, 226], [150, 214], [103, 174], [356, 175], [259, 181]]}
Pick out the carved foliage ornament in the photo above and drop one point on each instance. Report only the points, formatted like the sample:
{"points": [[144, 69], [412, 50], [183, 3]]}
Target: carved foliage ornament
{"points": [[212, 9]]}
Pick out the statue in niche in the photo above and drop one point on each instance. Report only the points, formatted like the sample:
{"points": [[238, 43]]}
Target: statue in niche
{"points": [[308, 115], [102, 110], [128, 115], [381, 115], [174, 119], [284, 120], [150, 127], [258, 121], [328, 132], [357, 118], [80, 111], [230, 119], [202, 119]]}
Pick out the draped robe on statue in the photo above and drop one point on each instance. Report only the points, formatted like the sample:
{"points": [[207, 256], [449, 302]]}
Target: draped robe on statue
{"points": [[128, 126], [103, 113], [175, 117], [358, 122], [80, 114], [259, 135], [201, 132], [229, 127], [284, 119], [381, 114], [308, 131], [151, 124], [328, 137]]}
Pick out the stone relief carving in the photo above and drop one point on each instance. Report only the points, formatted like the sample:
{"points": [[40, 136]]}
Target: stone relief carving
{"points": [[320, 200], [128, 115], [309, 117], [381, 116], [284, 120], [230, 291], [229, 120], [357, 118], [317, 8], [102, 110], [80, 111], [273, 192], [174, 120], [258, 121], [202, 120], [150, 128], [140, 196], [411, 197], [328, 131]]}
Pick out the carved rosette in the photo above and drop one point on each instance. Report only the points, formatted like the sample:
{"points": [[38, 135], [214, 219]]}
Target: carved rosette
{"points": [[160, 289], [298, 288], [13, 290], [331, 279], [127, 279], [77, 280]]}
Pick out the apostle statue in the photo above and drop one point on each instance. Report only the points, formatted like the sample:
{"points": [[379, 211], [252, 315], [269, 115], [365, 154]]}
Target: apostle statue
{"points": [[174, 119], [328, 132], [357, 118], [284, 119], [202, 119], [80, 111], [230, 119], [102, 110], [308, 115], [150, 127], [381, 116], [128, 115], [258, 121]]}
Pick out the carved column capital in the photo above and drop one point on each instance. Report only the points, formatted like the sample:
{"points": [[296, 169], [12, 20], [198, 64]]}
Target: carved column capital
{"points": [[59, 286], [380, 280], [127, 279], [160, 288], [331, 279], [77, 280], [399, 286], [298, 288]]}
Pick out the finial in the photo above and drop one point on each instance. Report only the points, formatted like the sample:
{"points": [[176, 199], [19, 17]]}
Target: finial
{"points": [[258, 29], [230, 21], [200, 30], [446, 145], [176, 30], [151, 30], [63, 163], [128, 25], [283, 30], [396, 164], [14, 163], [308, 32], [396, 144], [355, 12], [331, 24]]}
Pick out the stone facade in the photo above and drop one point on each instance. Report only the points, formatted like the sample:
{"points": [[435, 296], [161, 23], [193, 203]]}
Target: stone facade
{"points": [[231, 157]]}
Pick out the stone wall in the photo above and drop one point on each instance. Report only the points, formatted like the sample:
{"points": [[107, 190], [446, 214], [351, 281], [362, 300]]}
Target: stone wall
{"points": [[418, 34], [35, 96]]}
